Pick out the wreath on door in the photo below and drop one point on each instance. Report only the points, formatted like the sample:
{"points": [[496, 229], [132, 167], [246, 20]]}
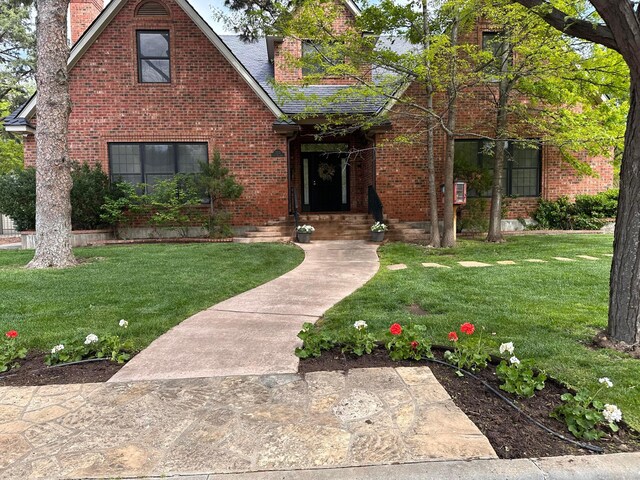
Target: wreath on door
{"points": [[326, 171]]}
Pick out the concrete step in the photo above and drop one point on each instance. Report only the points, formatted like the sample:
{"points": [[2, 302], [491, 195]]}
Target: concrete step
{"points": [[266, 234]]}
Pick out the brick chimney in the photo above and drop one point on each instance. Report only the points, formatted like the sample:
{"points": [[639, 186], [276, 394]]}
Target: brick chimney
{"points": [[81, 14]]}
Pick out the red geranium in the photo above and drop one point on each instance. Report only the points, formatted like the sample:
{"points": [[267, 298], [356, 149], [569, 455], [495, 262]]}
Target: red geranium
{"points": [[467, 328], [11, 334], [395, 329], [414, 344], [453, 336]]}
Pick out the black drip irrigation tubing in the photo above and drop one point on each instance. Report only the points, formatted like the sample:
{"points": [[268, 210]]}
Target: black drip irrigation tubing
{"points": [[586, 446], [7, 374]]}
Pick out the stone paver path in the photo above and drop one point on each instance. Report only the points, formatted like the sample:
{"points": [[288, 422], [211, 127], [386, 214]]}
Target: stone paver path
{"points": [[434, 265], [398, 266], [588, 257], [233, 424], [506, 262], [535, 260], [255, 332], [472, 264], [564, 259]]}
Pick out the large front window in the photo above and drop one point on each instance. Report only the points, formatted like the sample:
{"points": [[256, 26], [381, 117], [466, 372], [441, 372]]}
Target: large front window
{"points": [[150, 163], [521, 177], [153, 56]]}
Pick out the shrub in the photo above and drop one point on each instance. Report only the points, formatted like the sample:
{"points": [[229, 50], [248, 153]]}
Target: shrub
{"points": [[18, 197], [470, 352], [88, 194], [586, 213], [90, 189], [359, 340], [475, 216]]}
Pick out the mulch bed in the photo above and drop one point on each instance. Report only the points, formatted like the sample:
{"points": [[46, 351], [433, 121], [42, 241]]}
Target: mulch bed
{"points": [[33, 371], [511, 434]]}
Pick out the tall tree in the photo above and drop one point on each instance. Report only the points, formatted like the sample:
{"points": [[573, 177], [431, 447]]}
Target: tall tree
{"points": [[409, 78], [616, 26], [53, 167]]}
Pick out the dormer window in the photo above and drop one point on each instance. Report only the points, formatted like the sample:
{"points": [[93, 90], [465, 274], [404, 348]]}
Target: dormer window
{"points": [[314, 58], [153, 56]]}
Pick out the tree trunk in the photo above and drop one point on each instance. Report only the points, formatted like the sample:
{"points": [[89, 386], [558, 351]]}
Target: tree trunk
{"points": [[624, 298], [431, 169], [495, 214], [449, 235], [502, 120], [53, 169]]}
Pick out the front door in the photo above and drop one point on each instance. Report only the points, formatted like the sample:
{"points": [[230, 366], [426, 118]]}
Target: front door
{"points": [[325, 182]]}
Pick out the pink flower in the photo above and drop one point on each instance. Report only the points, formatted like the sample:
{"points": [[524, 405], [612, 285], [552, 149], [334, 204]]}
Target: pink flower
{"points": [[467, 328], [414, 344], [395, 329], [453, 336]]}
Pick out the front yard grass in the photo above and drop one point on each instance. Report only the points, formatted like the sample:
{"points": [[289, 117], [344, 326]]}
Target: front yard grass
{"points": [[549, 310], [153, 287]]}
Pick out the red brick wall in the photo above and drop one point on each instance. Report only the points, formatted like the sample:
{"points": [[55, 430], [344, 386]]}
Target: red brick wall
{"points": [[206, 101], [81, 14], [401, 168]]}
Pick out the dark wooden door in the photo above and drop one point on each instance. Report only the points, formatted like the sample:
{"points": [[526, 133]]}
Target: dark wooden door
{"points": [[328, 184]]}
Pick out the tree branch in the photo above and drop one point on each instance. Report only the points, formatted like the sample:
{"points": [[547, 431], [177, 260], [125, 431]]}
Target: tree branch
{"points": [[575, 27]]}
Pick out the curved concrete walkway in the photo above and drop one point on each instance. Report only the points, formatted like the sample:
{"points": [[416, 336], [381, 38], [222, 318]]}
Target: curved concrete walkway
{"points": [[255, 332]]}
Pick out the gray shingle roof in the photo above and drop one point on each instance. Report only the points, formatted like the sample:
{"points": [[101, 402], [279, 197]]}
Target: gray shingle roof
{"points": [[14, 120]]}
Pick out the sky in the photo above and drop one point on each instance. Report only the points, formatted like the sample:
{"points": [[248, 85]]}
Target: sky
{"points": [[205, 9]]}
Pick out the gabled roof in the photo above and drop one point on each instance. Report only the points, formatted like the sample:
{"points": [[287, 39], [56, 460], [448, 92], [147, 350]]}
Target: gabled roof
{"points": [[112, 9], [250, 60]]}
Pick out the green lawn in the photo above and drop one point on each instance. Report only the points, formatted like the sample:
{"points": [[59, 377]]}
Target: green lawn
{"points": [[549, 310], [153, 287]]}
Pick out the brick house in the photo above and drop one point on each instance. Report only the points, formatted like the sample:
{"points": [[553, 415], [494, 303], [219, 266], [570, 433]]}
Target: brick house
{"points": [[154, 90]]}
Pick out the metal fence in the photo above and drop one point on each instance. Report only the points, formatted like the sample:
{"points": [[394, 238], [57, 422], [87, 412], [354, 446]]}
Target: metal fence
{"points": [[6, 226]]}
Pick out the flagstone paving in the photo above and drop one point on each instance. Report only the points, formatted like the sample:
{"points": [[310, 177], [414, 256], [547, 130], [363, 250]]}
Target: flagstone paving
{"points": [[434, 265], [564, 259], [398, 266], [506, 262], [472, 264], [535, 260], [233, 424], [588, 257], [255, 332]]}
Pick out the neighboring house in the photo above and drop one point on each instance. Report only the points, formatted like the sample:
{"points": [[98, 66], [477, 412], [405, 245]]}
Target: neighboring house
{"points": [[155, 90]]}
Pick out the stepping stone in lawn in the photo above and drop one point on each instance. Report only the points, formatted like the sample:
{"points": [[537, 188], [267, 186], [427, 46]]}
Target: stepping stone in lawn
{"points": [[434, 265], [535, 260], [399, 266], [607, 254], [564, 259], [474, 264], [587, 257], [506, 262]]}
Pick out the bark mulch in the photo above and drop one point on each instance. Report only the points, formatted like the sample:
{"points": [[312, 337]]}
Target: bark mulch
{"points": [[511, 434]]}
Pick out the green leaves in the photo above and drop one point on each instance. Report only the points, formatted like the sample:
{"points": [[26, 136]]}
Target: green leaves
{"points": [[110, 347], [411, 344], [581, 415], [314, 341], [10, 351], [359, 342], [520, 378]]}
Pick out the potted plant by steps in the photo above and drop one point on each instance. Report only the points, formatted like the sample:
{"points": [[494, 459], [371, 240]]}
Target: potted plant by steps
{"points": [[377, 231], [303, 232]]}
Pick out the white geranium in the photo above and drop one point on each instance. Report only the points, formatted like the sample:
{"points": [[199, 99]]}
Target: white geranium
{"points": [[360, 325], [514, 360], [611, 413], [507, 347], [56, 349], [305, 229], [606, 381], [123, 323], [91, 338]]}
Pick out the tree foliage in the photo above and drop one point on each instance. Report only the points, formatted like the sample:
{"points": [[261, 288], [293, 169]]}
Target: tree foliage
{"points": [[17, 51]]}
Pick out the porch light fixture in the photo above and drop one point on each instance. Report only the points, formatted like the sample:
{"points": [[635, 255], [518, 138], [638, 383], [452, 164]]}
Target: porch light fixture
{"points": [[277, 153]]}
